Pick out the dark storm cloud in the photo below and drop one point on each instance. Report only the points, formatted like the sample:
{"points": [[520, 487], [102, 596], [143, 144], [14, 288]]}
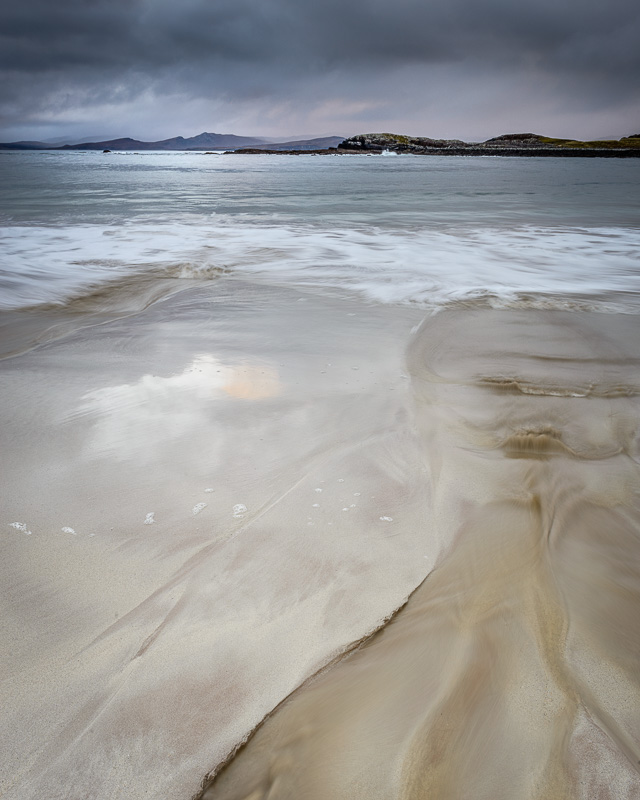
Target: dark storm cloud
{"points": [[82, 53]]}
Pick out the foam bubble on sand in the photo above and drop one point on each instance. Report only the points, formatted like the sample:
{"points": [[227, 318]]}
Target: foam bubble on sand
{"points": [[316, 505], [239, 509], [20, 526], [150, 518], [386, 519], [198, 508], [209, 490], [318, 489], [68, 530]]}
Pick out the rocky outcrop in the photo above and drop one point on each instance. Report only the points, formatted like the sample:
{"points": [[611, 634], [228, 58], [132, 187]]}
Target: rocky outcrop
{"points": [[377, 142], [508, 144]]}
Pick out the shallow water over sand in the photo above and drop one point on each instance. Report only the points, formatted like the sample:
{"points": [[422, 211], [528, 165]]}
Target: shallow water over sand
{"points": [[512, 670], [224, 460]]}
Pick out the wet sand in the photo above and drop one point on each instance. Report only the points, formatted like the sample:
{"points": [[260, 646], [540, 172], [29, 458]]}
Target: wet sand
{"points": [[255, 480], [141, 648], [512, 672]]}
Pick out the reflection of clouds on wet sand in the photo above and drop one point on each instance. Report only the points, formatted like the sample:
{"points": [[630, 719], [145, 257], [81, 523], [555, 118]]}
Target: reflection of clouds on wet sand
{"points": [[137, 418], [180, 625]]}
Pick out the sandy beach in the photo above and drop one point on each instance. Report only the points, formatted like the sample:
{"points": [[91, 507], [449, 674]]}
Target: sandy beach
{"points": [[220, 496], [137, 656], [320, 478]]}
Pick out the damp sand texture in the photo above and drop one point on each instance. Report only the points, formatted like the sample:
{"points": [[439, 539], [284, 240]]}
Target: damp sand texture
{"points": [[512, 671]]}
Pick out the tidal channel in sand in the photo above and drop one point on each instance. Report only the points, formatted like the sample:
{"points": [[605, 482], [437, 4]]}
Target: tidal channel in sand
{"points": [[512, 671]]}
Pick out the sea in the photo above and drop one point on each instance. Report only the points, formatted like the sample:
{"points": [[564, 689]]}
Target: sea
{"points": [[402, 230]]}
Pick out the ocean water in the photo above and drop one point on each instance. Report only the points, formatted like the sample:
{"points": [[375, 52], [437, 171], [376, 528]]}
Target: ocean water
{"points": [[427, 231]]}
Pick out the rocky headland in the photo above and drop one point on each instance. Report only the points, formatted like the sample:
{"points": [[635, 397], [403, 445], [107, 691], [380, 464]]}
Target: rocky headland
{"points": [[510, 144]]}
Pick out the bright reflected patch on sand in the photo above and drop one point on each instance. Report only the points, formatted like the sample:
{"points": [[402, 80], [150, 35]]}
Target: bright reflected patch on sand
{"points": [[136, 419], [252, 383]]}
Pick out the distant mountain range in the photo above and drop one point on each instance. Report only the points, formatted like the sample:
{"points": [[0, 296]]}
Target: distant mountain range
{"points": [[204, 141], [321, 143]]}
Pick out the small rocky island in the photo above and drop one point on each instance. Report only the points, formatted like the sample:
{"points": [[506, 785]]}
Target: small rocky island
{"points": [[510, 144]]}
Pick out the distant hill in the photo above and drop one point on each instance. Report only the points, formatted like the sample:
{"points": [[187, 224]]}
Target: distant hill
{"points": [[25, 146], [50, 144], [204, 141], [322, 143]]}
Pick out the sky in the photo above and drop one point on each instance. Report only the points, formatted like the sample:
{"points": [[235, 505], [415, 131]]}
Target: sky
{"points": [[467, 69]]}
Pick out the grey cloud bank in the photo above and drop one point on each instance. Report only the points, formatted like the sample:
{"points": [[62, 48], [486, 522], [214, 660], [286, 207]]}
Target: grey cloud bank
{"points": [[151, 68]]}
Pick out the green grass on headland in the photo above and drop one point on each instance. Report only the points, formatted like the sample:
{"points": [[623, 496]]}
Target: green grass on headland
{"points": [[597, 144]]}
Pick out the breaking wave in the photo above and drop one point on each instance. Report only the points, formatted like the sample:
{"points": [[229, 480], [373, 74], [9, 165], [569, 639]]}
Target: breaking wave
{"points": [[525, 266]]}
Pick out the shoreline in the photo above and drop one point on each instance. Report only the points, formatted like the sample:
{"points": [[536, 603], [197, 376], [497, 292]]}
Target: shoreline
{"points": [[364, 448]]}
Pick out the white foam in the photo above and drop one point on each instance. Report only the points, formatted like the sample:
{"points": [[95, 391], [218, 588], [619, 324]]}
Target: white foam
{"points": [[198, 508], [150, 518], [68, 530], [20, 526], [239, 510], [208, 490], [386, 519], [422, 265]]}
